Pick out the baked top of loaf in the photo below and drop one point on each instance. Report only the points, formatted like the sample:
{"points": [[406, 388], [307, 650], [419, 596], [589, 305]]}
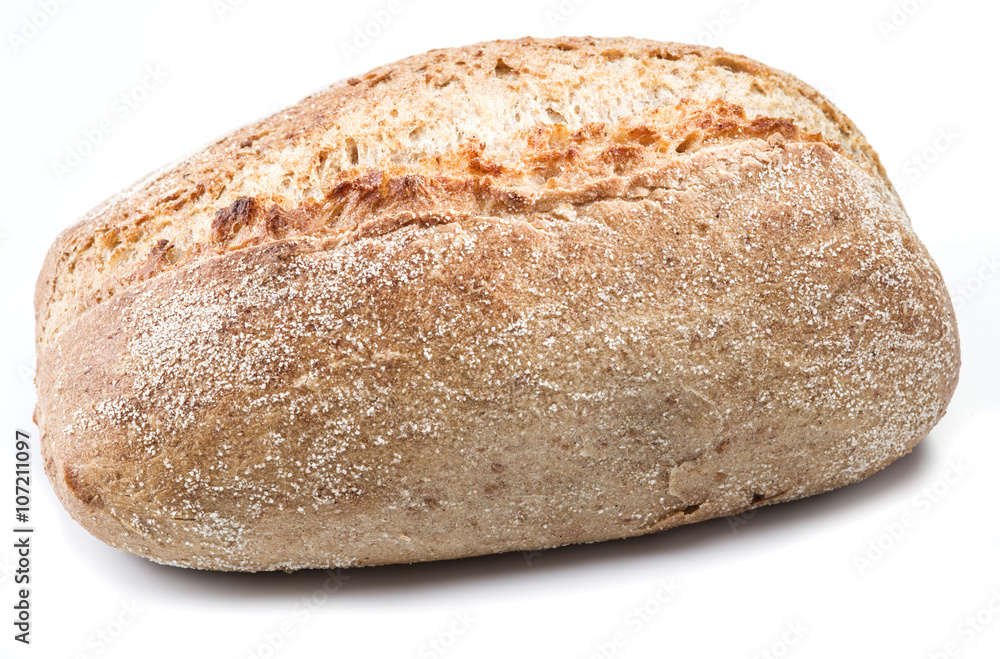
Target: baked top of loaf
{"points": [[503, 125], [507, 296]]}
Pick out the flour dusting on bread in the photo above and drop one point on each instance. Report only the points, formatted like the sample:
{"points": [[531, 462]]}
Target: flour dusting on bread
{"points": [[509, 296]]}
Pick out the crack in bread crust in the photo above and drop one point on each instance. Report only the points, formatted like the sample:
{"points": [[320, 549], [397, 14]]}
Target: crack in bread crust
{"points": [[571, 121]]}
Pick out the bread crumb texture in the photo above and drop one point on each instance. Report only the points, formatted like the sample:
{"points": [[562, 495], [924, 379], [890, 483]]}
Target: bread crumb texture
{"points": [[502, 297]]}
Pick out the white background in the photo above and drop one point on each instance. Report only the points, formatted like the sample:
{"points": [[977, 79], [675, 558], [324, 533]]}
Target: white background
{"points": [[920, 81]]}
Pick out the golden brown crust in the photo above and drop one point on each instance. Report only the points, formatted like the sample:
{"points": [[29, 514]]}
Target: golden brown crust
{"points": [[427, 114], [408, 319]]}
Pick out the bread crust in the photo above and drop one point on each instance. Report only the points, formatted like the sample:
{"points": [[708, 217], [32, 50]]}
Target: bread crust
{"points": [[502, 297]]}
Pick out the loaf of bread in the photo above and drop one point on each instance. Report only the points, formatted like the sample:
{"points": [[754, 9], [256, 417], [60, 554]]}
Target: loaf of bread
{"points": [[502, 297]]}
